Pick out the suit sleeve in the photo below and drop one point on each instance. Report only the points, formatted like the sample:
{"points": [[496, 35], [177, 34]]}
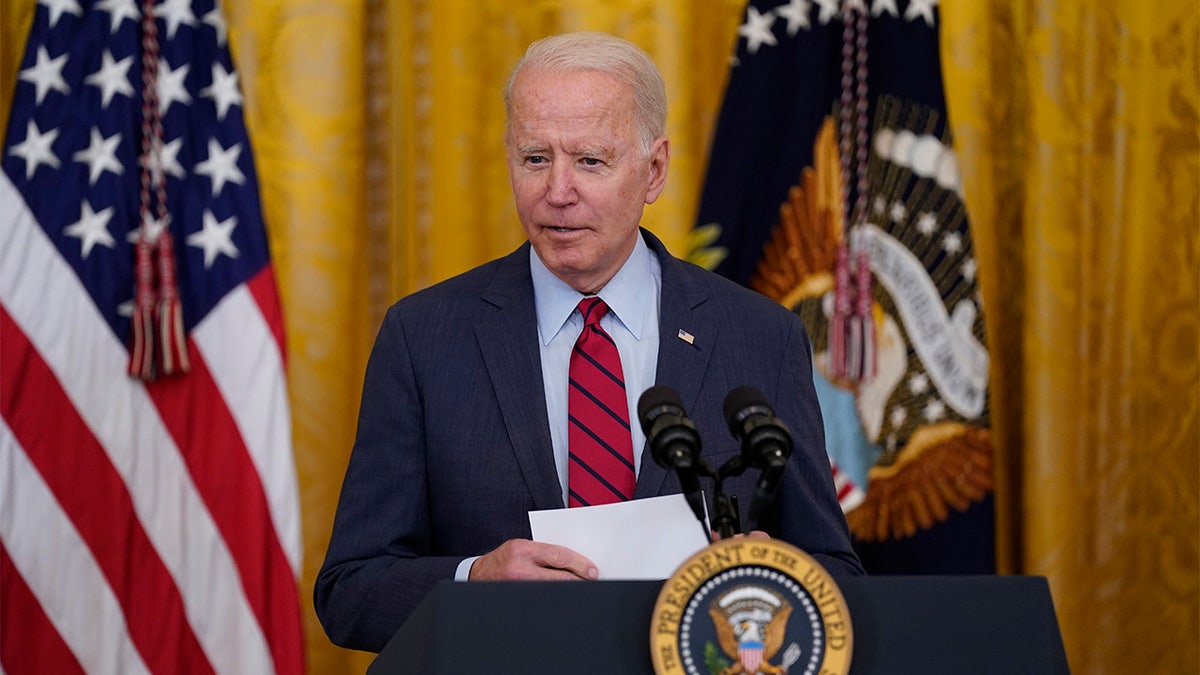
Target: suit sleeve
{"points": [[377, 567], [807, 512]]}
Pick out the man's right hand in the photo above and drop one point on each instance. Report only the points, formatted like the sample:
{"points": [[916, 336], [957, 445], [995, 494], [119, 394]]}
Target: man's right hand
{"points": [[525, 560]]}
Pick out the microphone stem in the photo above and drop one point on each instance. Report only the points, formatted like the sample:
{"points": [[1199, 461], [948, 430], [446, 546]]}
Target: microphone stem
{"points": [[726, 521]]}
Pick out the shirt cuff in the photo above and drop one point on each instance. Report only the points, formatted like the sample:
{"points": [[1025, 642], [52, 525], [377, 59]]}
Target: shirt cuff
{"points": [[463, 573]]}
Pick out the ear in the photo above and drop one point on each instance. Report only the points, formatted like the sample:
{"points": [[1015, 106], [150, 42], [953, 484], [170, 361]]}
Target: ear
{"points": [[660, 158]]}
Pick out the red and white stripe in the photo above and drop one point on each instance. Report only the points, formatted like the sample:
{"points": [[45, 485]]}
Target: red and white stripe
{"points": [[751, 657], [143, 528], [849, 495]]}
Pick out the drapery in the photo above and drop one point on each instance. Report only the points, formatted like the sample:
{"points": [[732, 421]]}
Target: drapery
{"points": [[377, 128], [1078, 130]]}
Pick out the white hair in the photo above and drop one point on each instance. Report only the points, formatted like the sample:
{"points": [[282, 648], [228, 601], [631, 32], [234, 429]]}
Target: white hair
{"points": [[608, 54]]}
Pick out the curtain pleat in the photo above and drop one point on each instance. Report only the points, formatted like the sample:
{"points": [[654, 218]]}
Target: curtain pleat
{"points": [[1079, 136]]}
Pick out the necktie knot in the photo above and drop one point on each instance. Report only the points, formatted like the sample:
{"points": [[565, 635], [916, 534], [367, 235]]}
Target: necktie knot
{"points": [[592, 309]]}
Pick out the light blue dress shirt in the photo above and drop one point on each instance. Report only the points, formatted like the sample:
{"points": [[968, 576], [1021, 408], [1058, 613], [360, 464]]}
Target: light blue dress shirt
{"points": [[631, 321]]}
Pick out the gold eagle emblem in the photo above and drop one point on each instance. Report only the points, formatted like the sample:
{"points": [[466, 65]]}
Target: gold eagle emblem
{"points": [[751, 623]]}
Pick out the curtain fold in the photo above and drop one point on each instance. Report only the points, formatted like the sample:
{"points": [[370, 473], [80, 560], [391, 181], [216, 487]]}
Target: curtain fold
{"points": [[1078, 131], [378, 127], [303, 68]]}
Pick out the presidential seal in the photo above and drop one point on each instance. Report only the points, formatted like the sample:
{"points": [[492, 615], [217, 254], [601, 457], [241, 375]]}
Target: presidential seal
{"points": [[750, 606]]}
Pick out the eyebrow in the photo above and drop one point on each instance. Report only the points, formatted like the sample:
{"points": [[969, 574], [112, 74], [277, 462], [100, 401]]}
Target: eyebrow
{"points": [[598, 153], [594, 152]]}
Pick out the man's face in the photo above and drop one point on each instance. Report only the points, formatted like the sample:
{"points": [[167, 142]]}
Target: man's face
{"points": [[578, 172]]}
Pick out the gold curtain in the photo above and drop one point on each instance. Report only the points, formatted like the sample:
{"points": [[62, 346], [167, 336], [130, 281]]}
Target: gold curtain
{"points": [[1078, 131], [377, 130]]}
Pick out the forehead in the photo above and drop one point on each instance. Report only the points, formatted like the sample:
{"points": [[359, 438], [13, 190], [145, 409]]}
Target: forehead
{"points": [[569, 97]]}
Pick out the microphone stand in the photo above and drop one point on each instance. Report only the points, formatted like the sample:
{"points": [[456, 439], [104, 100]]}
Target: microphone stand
{"points": [[726, 521]]}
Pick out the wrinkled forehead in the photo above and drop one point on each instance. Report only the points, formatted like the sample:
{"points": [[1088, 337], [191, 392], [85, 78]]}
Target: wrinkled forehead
{"points": [[569, 99], [542, 82]]}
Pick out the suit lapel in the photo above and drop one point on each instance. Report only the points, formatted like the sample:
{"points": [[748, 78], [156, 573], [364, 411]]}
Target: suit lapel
{"points": [[681, 364], [508, 341], [507, 338]]}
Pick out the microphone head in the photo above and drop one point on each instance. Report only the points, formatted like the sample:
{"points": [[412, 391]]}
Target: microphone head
{"points": [[655, 402], [740, 404], [673, 439], [766, 440]]}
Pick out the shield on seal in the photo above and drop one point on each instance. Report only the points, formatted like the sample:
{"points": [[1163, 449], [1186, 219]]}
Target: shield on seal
{"points": [[751, 655]]}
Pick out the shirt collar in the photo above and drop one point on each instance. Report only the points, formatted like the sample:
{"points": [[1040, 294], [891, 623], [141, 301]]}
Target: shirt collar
{"points": [[625, 294]]}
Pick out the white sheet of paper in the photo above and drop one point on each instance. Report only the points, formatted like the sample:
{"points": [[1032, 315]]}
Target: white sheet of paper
{"points": [[637, 539]]}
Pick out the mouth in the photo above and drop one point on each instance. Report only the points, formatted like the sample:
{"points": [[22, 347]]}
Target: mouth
{"points": [[561, 229]]}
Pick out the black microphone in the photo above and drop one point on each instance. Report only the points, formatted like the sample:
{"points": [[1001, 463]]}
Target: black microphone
{"points": [[766, 443], [674, 441]]}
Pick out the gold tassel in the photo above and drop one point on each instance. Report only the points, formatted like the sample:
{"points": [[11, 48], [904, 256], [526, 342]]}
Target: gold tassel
{"points": [[171, 336], [141, 347]]}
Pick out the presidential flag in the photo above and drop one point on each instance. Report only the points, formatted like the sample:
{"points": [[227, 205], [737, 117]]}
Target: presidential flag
{"points": [[833, 187], [148, 521]]}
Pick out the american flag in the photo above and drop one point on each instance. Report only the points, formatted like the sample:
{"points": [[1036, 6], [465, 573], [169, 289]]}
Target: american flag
{"points": [[145, 526]]}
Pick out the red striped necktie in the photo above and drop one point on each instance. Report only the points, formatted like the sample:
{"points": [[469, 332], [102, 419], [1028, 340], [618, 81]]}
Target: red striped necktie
{"points": [[598, 433]]}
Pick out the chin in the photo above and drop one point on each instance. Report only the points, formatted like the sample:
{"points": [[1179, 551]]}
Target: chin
{"points": [[566, 268]]}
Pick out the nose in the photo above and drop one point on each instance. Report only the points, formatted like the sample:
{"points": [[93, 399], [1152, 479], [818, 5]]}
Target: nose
{"points": [[561, 190]]}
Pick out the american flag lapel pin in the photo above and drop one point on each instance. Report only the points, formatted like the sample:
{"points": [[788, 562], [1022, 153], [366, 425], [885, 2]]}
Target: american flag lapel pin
{"points": [[686, 336]]}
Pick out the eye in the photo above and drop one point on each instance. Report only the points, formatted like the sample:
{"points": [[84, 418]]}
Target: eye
{"points": [[535, 160], [591, 161]]}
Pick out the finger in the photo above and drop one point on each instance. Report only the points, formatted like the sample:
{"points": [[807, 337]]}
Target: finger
{"points": [[524, 560], [562, 558], [753, 534]]}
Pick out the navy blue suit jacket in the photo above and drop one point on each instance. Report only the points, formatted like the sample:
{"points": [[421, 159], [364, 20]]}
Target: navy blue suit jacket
{"points": [[453, 447]]}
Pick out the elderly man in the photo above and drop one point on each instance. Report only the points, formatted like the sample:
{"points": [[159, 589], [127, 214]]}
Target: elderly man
{"points": [[510, 388]]}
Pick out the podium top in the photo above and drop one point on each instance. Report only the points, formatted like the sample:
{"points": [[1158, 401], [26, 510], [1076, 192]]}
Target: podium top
{"points": [[927, 624]]}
